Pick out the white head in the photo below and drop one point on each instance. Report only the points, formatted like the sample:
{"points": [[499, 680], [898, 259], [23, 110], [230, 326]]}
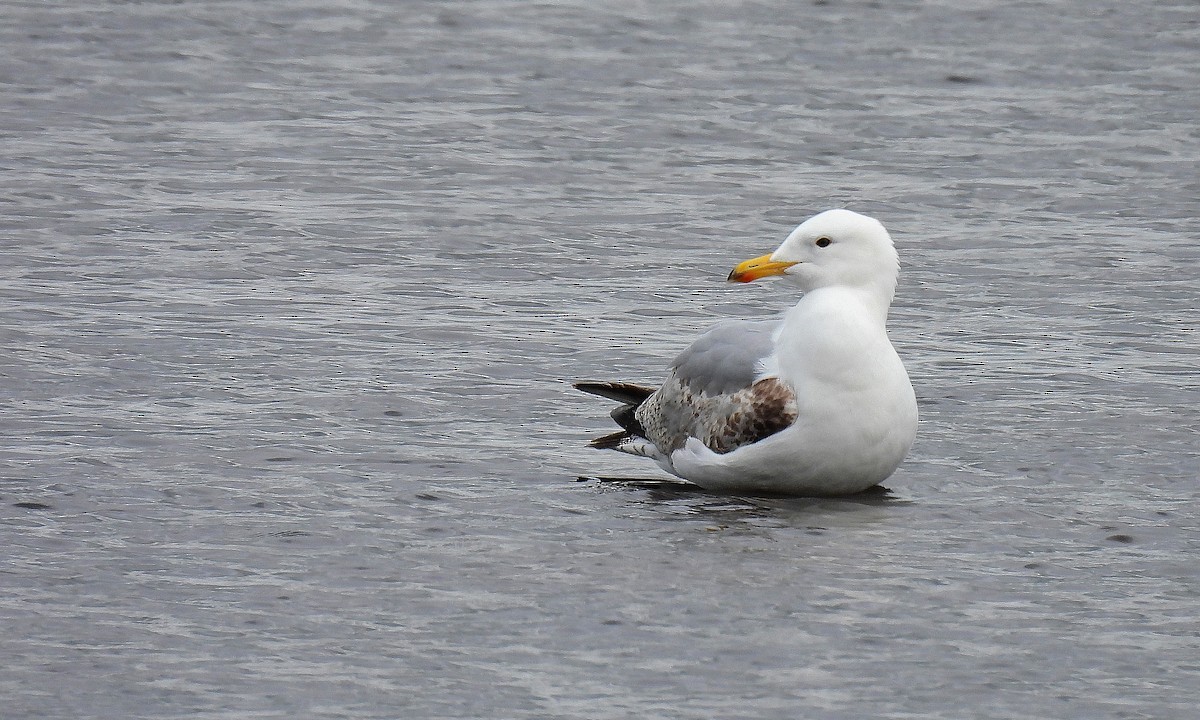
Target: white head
{"points": [[836, 247]]}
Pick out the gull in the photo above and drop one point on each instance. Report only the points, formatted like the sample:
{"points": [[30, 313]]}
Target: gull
{"points": [[813, 403]]}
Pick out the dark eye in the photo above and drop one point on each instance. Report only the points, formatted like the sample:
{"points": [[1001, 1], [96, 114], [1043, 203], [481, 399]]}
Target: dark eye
{"points": [[823, 242]]}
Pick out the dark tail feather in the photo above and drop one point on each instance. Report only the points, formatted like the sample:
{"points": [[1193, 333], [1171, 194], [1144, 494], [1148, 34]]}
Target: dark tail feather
{"points": [[609, 442], [621, 392], [631, 396], [626, 417]]}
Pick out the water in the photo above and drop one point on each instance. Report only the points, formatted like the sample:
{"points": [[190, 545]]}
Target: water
{"points": [[291, 293]]}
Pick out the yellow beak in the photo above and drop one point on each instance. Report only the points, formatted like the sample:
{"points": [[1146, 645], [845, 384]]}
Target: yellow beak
{"points": [[759, 267]]}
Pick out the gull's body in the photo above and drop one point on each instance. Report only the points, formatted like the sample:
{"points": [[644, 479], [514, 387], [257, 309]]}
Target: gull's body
{"points": [[816, 403]]}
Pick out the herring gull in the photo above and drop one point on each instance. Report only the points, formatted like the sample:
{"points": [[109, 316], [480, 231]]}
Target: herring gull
{"points": [[816, 402]]}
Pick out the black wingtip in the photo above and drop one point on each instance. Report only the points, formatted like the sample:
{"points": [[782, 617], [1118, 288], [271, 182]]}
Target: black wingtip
{"points": [[630, 396], [621, 392]]}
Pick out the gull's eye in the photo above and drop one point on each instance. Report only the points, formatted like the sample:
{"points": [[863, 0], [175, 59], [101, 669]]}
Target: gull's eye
{"points": [[823, 242]]}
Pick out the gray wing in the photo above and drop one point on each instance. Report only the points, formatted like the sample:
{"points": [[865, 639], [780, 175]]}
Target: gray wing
{"points": [[712, 395], [726, 358]]}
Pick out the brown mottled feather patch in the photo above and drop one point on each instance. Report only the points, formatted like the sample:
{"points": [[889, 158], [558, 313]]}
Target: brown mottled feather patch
{"points": [[769, 406], [723, 422]]}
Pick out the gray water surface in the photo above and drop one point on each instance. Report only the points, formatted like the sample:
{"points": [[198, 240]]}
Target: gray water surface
{"points": [[291, 294]]}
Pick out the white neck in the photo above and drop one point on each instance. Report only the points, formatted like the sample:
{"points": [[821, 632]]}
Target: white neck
{"points": [[839, 299], [830, 329]]}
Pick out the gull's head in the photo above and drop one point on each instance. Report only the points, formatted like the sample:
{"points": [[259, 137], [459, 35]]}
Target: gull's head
{"points": [[836, 247]]}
